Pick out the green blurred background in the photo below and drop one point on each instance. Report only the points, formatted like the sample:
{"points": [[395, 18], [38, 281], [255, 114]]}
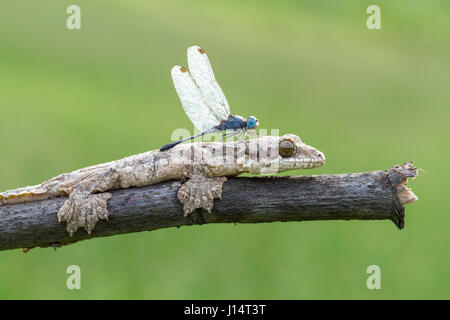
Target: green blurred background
{"points": [[367, 99]]}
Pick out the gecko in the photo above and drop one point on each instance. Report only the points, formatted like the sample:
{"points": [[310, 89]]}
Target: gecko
{"points": [[201, 167]]}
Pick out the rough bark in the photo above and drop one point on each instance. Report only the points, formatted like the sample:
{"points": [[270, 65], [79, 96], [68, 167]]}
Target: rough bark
{"points": [[364, 196]]}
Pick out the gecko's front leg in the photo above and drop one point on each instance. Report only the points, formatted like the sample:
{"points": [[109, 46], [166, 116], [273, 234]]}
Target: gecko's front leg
{"points": [[200, 190], [87, 201]]}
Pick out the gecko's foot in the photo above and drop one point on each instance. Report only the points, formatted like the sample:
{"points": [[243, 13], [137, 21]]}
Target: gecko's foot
{"points": [[84, 210], [199, 192]]}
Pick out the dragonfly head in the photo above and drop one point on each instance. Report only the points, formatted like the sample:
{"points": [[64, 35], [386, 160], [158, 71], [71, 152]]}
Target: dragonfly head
{"points": [[252, 123]]}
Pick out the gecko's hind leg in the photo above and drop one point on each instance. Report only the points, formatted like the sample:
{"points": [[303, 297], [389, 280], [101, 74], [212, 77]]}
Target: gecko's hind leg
{"points": [[199, 192], [87, 201]]}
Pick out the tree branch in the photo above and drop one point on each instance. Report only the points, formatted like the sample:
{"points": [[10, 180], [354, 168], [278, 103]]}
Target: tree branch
{"points": [[365, 196]]}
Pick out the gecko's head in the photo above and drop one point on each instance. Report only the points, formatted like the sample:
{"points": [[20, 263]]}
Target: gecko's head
{"points": [[294, 154], [271, 154], [252, 123]]}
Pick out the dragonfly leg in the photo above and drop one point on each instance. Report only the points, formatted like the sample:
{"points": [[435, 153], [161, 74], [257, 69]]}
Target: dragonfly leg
{"points": [[229, 134], [241, 135]]}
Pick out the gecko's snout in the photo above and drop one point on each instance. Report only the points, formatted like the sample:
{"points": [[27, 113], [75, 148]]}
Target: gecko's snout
{"points": [[321, 155], [317, 158]]}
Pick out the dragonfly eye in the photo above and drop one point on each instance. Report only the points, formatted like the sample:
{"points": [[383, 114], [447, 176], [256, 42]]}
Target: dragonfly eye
{"points": [[286, 148]]}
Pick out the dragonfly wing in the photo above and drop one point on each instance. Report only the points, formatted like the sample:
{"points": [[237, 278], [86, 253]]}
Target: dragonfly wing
{"points": [[202, 72], [192, 100]]}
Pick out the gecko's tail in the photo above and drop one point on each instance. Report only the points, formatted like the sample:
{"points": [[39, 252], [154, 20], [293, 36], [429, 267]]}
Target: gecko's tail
{"points": [[21, 195]]}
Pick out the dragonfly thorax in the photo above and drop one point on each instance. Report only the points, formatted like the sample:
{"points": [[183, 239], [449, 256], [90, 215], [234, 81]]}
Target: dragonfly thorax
{"points": [[238, 122], [233, 123]]}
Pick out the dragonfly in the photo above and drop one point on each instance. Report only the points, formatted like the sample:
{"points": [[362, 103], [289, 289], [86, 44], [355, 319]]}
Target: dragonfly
{"points": [[204, 101]]}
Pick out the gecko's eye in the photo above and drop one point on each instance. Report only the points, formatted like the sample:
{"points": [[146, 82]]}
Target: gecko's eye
{"points": [[286, 148]]}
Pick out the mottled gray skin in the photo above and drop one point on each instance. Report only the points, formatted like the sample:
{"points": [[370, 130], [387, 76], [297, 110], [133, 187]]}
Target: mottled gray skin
{"points": [[203, 168]]}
